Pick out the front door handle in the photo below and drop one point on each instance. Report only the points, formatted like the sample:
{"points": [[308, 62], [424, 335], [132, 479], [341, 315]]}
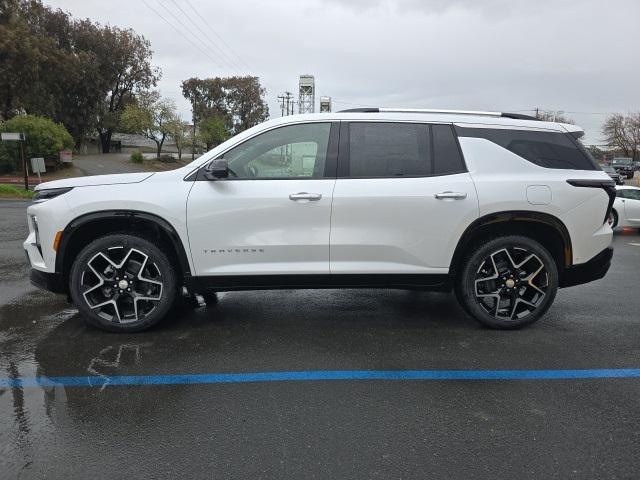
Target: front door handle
{"points": [[310, 197], [450, 195]]}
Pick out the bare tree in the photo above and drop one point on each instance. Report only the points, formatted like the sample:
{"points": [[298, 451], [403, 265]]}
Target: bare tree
{"points": [[622, 132], [553, 116]]}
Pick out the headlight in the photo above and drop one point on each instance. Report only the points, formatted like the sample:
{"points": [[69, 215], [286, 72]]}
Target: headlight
{"points": [[48, 194]]}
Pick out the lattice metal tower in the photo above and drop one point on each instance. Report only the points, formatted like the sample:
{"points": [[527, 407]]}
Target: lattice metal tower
{"points": [[307, 94], [325, 104]]}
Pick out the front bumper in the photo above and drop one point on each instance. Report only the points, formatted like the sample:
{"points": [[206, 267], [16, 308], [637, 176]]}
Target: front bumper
{"points": [[594, 269], [54, 282]]}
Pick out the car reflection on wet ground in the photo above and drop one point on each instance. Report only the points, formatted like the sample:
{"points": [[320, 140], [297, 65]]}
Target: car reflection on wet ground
{"points": [[562, 428]]}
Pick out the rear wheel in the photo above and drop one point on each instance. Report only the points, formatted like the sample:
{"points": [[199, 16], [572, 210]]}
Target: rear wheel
{"points": [[122, 283], [508, 282]]}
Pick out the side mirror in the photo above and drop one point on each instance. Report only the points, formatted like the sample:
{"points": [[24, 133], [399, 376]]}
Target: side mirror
{"points": [[217, 169]]}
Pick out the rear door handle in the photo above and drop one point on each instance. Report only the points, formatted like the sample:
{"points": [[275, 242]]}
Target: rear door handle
{"points": [[310, 197], [451, 195]]}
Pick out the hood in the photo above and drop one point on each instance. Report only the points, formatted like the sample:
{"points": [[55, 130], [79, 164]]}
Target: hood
{"points": [[94, 180]]}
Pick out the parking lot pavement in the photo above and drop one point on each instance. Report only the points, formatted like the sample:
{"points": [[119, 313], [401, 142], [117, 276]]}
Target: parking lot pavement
{"points": [[560, 428]]}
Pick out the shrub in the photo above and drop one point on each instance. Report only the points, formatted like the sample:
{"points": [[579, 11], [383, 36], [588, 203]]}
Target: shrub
{"points": [[136, 157], [43, 138]]}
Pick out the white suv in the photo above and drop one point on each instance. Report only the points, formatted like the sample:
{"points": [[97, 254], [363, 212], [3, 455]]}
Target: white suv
{"points": [[500, 208]]}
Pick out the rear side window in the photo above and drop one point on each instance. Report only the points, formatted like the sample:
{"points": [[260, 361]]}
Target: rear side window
{"points": [[446, 154], [388, 150], [545, 149], [385, 149]]}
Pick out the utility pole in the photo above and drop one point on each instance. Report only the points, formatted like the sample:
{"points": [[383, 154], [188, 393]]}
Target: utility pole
{"points": [[286, 103], [24, 165], [537, 112]]}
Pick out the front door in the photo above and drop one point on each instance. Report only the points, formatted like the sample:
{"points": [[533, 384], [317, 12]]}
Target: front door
{"points": [[402, 196], [272, 214], [632, 206]]}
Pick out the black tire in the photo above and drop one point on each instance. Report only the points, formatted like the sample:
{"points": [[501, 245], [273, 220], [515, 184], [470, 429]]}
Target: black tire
{"points": [[119, 259], [614, 219], [516, 297]]}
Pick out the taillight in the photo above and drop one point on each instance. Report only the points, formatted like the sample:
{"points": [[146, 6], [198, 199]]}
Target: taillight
{"points": [[608, 186]]}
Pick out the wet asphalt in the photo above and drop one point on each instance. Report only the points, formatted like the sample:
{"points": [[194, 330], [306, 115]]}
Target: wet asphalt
{"points": [[321, 429]]}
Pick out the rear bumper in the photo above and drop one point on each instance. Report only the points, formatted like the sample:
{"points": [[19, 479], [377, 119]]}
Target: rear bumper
{"points": [[53, 282], [594, 269]]}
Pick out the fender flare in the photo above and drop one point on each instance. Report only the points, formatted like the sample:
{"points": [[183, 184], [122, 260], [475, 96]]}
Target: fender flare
{"points": [[78, 222], [519, 216]]}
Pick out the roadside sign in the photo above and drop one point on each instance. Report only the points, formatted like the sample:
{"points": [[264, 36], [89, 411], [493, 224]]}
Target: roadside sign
{"points": [[12, 136], [37, 166], [66, 156]]}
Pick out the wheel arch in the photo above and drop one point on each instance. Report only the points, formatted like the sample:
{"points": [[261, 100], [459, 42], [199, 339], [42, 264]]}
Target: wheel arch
{"points": [[550, 231], [90, 226]]}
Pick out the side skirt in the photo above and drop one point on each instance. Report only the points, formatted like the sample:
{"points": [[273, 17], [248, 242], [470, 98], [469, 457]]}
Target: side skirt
{"points": [[222, 283]]}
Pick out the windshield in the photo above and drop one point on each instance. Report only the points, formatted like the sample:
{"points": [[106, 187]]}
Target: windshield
{"points": [[608, 169], [621, 161]]}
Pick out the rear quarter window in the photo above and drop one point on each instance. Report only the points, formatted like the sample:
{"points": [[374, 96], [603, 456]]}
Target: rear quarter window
{"points": [[545, 149]]}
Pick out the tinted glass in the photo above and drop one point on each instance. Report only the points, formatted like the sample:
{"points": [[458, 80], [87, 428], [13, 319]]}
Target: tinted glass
{"points": [[446, 154], [621, 161], [388, 150], [633, 194], [545, 149], [295, 151]]}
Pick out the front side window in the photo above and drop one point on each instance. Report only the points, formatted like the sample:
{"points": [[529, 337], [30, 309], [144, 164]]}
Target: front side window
{"points": [[545, 149], [630, 194], [294, 151], [388, 150]]}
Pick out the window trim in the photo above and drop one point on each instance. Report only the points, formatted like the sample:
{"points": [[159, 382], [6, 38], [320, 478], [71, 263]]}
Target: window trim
{"points": [[344, 160], [330, 165], [473, 132]]}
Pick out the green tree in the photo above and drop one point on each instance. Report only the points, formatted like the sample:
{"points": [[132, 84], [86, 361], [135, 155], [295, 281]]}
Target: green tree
{"points": [[212, 132], [43, 138], [180, 134], [128, 71], [150, 116], [246, 102], [75, 71], [238, 101]]}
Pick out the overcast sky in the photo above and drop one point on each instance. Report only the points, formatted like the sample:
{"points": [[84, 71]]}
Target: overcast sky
{"points": [[579, 56]]}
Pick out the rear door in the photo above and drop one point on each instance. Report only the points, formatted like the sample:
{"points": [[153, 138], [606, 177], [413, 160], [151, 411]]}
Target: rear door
{"points": [[402, 199]]}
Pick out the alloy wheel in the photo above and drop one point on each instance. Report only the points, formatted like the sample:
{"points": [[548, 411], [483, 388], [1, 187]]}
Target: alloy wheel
{"points": [[121, 284], [511, 283]]}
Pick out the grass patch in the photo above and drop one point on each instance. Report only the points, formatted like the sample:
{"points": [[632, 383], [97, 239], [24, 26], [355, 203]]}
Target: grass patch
{"points": [[12, 191]]}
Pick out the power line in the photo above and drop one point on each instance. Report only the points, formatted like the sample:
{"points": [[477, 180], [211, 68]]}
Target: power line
{"points": [[220, 51], [188, 30], [218, 36], [181, 34]]}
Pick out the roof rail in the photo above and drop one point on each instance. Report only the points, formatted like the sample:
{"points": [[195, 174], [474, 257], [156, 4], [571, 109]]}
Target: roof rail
{"points": [[518, 116]]}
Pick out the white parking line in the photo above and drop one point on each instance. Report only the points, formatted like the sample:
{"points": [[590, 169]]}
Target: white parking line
{"points": [[635, 244]]}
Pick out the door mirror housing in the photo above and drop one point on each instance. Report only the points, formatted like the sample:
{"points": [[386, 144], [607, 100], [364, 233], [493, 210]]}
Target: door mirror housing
{"points": [[217, 170]]}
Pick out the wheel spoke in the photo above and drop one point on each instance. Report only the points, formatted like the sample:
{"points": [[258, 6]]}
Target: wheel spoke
{"points": [[130, 286], [508, 285]]}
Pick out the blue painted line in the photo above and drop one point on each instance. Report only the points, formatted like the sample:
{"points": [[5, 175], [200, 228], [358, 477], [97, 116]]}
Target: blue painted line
{"points": [[319, 375]]}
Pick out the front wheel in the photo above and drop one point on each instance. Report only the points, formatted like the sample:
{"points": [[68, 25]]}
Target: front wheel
{"points": [[508, 282], [122, 283]]}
